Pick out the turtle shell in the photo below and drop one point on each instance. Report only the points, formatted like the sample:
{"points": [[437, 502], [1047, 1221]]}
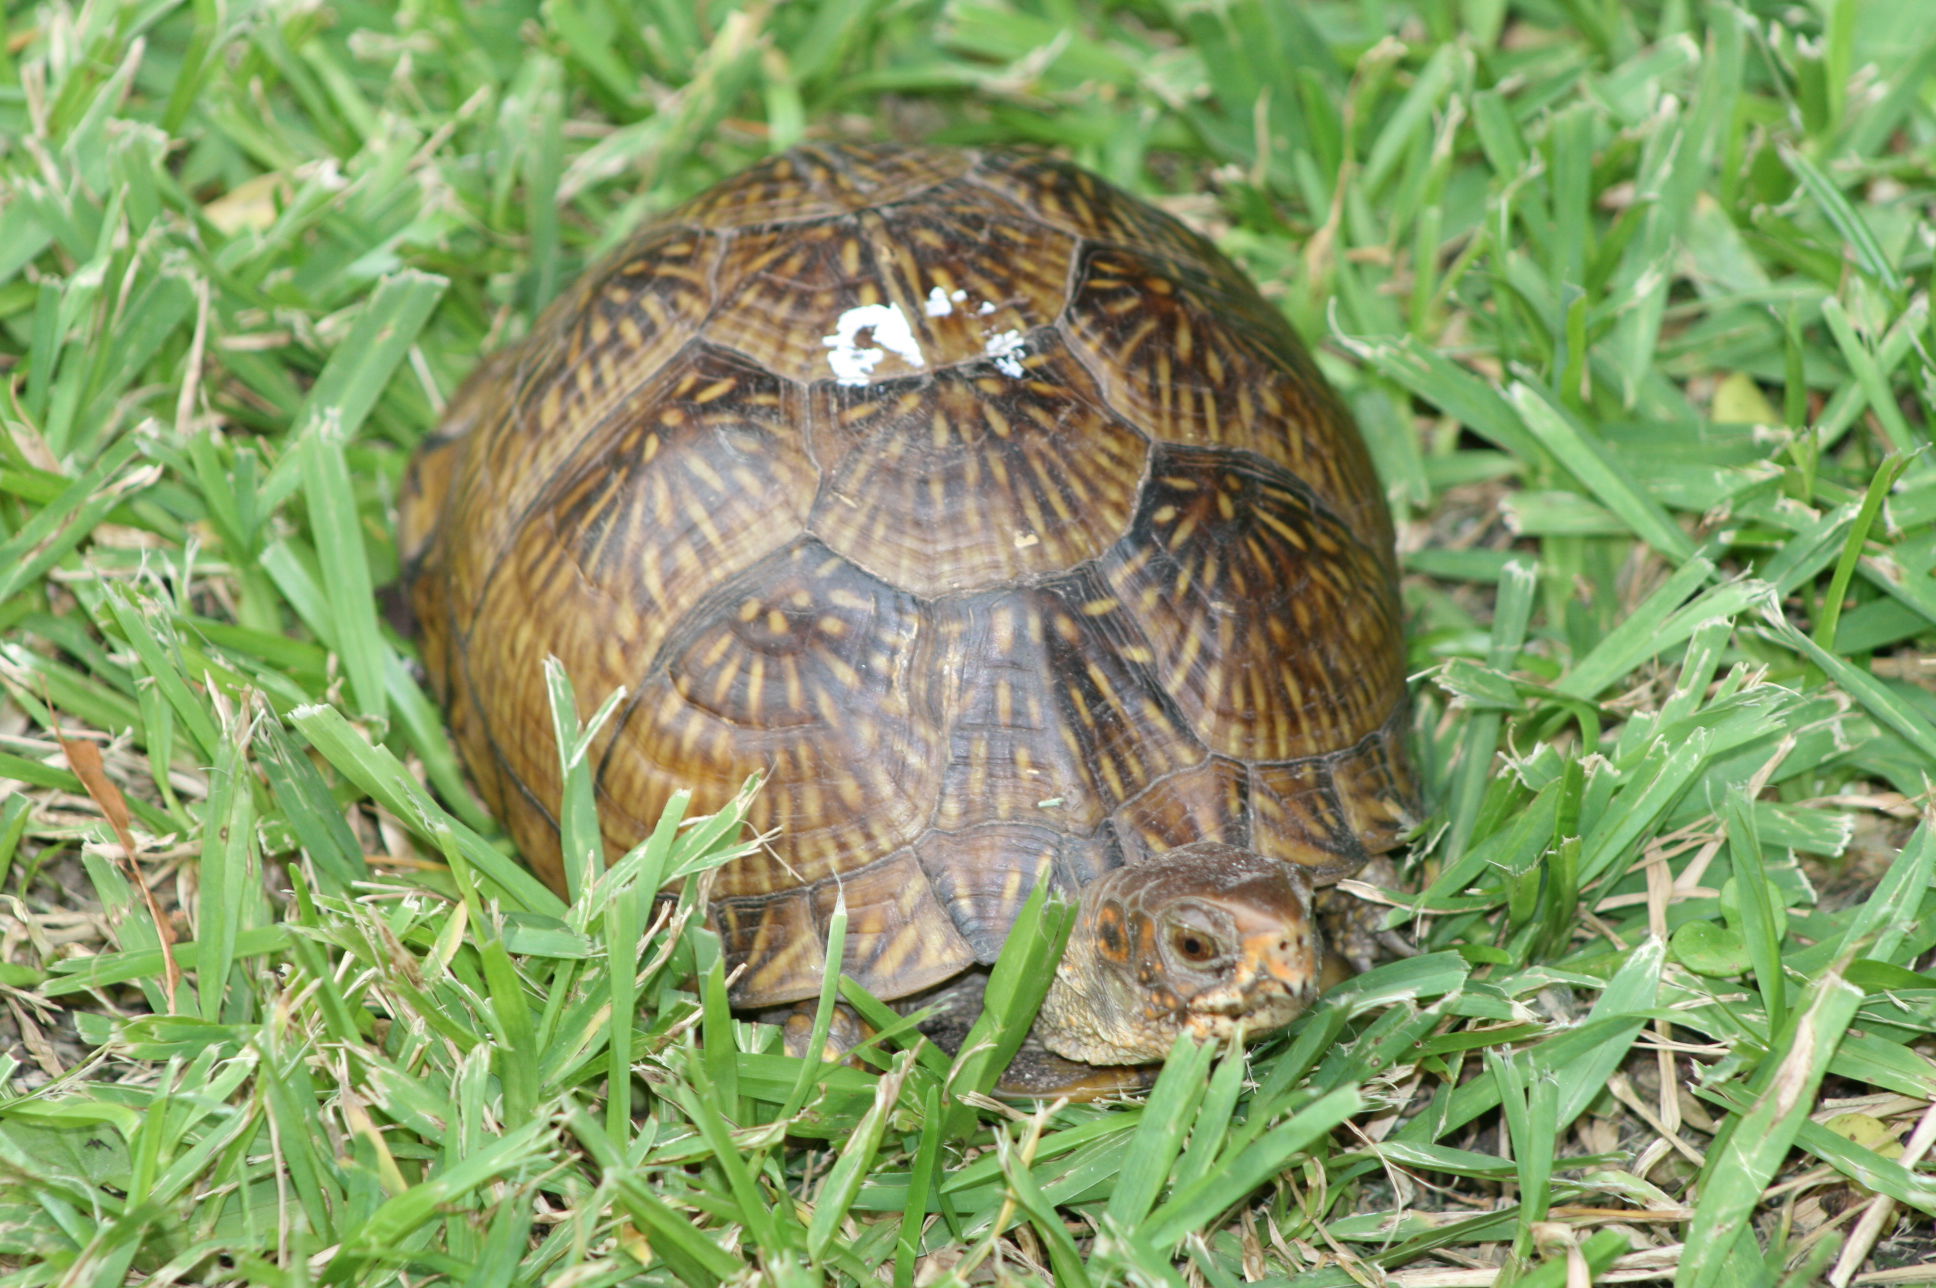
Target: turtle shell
{"points": [[990, 512]]}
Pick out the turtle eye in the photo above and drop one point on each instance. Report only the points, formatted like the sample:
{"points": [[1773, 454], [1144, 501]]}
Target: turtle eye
{"points": [[1194, 945]]}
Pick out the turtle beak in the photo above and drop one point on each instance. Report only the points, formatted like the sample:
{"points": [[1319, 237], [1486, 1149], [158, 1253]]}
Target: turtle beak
{"points": [[1283, 958]]}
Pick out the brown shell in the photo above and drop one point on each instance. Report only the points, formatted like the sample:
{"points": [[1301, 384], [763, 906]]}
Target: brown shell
{"points": [[987, 510]]}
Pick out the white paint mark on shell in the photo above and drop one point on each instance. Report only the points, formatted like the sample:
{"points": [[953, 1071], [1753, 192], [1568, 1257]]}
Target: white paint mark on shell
{"points": [[1006, 350], [940, 303], [852, 361]]}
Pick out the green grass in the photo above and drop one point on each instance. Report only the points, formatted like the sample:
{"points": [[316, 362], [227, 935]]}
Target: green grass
{"points": [[1632, 301]]}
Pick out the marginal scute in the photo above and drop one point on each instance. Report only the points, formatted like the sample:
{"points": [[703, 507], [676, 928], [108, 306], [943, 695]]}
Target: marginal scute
{"points": [[503, 658], [1329, 814], [426, 516], [1301, 818], [899, 937], [1378, 787], [963, 480], [531, 823], [779, 936], [984, 875], [425, 510], [1210, 799], [899, 934]]}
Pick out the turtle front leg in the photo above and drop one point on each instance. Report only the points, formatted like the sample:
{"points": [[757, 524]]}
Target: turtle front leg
{"points": [[1355, 937], [1036, 1073]]}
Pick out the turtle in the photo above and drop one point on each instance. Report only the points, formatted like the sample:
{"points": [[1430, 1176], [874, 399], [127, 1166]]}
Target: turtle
{"points": [[998, 521]]}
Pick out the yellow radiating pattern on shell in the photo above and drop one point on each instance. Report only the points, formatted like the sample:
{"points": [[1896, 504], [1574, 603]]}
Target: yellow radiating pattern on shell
{"points": [[987, 511]]}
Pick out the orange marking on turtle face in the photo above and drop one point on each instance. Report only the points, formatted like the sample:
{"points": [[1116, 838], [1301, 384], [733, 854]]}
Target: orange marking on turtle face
{"points": [[1111, 939], [1273, 953], [1163, 1004], [1145, 936]]}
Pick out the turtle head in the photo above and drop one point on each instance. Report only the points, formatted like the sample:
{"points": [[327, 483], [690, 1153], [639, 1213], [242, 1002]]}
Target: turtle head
{"points": [[1198, 941]]}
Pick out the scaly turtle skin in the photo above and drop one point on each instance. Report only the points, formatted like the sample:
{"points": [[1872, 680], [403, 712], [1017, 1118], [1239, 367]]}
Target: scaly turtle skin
{"points": [[998, 520]]}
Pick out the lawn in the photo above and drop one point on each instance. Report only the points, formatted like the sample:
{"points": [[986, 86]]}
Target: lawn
{"points": [[1632, 303]]}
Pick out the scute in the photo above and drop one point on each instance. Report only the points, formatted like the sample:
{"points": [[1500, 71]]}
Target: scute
{"points": [[666, 499], [1330, 814], [991, 515], [810, 302], [978, 278], [899, 939], [985, 873], [1274, 627], [874, 294], [1211, 798], [813, 672], [610, 334], [1051, 718], [818, 181], [960, 481], [1072, 200], [1196, 364], [425, 520], [663, 498]]}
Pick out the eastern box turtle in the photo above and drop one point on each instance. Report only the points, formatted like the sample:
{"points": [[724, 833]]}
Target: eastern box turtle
{"points": [[999, 521]]}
